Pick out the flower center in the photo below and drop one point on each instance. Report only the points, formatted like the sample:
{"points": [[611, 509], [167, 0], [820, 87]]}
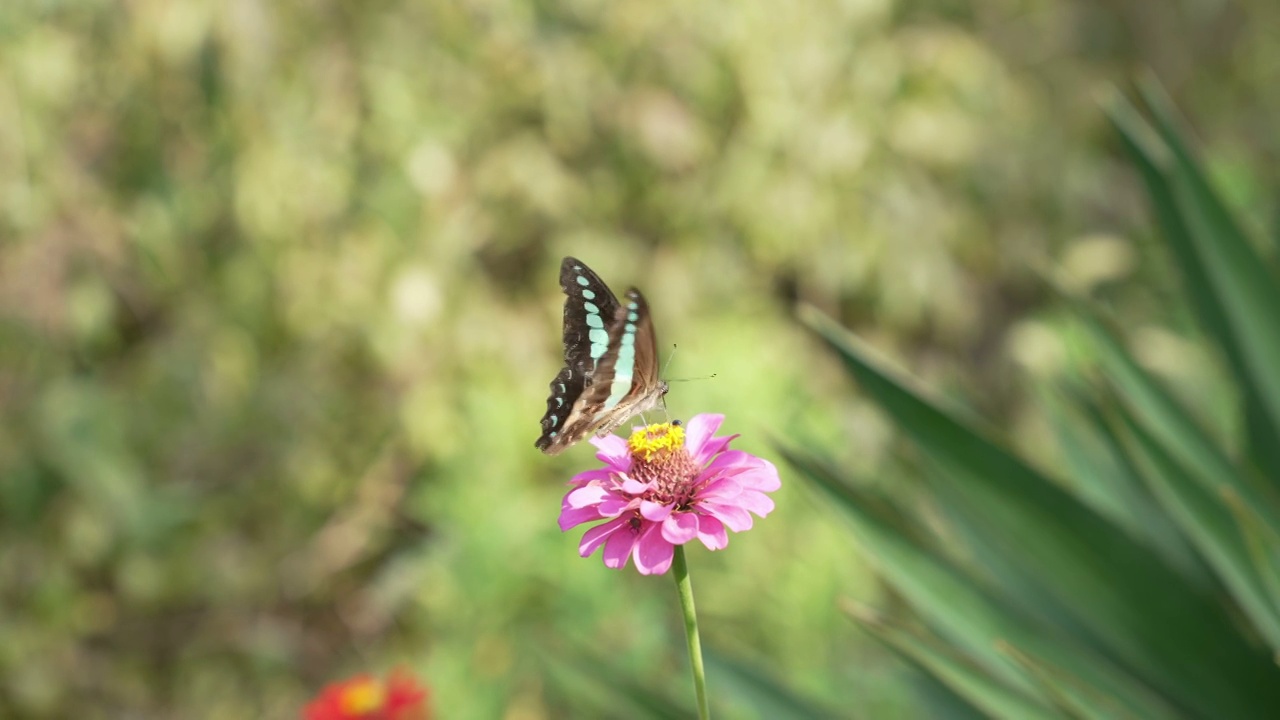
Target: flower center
{"points": [[363, 697], [654, 440], [658, 457]]}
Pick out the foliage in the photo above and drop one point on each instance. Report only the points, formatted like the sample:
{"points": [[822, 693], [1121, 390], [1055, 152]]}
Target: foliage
{"points": [[1138, 580]]}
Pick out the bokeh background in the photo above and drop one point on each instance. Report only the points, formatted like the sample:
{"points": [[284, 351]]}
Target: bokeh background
{"points": [[278, 310]]}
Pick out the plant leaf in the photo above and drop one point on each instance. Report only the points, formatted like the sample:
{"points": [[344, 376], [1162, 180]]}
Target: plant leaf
{"points": [[1105, 457], [966, 679], [1209, 248], [1066, 693], [1209, 525], [1120, 597], [1172, 426], [760, 691], [954, 606]]}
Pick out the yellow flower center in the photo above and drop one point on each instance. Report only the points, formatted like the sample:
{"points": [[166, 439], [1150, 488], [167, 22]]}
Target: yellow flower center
{"points": [[363, 697], [656, 440]]}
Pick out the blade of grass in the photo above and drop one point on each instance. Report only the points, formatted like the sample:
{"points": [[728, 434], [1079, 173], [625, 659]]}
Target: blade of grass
{"points": [[1149, 520], [1122, 598], [959, 673], [1161, 415], [1072, 698], [610, 692], [1205, 242], [1263, 544], [1208, 523], [953, 605], [760, 691]]}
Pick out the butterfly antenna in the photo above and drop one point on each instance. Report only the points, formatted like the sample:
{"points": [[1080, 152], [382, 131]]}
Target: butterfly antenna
{"points": [[704, 377], [670, 357]]}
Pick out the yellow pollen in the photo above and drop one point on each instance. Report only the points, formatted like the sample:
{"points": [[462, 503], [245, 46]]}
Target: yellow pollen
{"points": [[363, 697], [656, 440]]}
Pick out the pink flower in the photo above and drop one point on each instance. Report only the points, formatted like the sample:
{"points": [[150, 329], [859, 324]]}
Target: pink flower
{"points": [[664, 486]]}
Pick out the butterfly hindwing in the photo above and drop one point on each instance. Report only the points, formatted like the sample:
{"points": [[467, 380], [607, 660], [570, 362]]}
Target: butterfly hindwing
{"points": [[610, 371], [626, 382], [566, 392]]}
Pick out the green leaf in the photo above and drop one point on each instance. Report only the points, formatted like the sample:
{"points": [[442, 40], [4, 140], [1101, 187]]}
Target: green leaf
{"points": [[1120, 597], [966, 679], [761, 692], [1210, 526], [1172, 426], [607, 692], [1070, 697], [1263, 543], [1209, 249], [957, 608], [936, 591], [936, 699], [1097, 457]]}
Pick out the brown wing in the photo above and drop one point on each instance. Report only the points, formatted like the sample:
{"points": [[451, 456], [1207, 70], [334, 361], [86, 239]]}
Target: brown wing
{"points": [[589, 306], [625, 382]]}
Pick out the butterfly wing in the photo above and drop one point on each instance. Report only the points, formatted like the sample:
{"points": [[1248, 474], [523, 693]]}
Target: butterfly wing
{"points": [[624, 382], [564, 402], [589, 307]]}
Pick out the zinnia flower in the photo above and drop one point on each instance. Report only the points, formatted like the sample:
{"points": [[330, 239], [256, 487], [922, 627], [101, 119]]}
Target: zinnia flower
{"points": [[663, 487], [366, 698]]}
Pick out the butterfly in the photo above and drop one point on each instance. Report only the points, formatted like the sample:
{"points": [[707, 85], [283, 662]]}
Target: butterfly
{"points": [[610, 368]]}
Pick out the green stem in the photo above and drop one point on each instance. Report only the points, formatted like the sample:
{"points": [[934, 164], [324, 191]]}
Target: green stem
{"points": [[681, 570]]}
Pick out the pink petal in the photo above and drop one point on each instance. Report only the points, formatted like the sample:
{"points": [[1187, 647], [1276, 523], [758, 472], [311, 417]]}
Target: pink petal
{"points": [[652, 552], [756, 502], [613, 452], [737, 519], [633, 487], [751, 471], [583, 478], [698, 430], [586, 496], [573, 517], [721, 489], [680, 528], [732, 460], [764, 478], [711, 533], [613, 506], [656, 512], [592, 538], [713, 447], [619, 547]]}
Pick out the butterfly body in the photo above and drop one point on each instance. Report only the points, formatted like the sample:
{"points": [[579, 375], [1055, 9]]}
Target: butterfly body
{"points": [[611, 361]]}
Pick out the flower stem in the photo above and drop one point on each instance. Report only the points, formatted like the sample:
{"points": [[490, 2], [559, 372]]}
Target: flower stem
{"points": [[681, 570]]}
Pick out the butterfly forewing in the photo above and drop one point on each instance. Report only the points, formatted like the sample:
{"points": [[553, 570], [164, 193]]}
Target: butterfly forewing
{"points": [[589, 306]]}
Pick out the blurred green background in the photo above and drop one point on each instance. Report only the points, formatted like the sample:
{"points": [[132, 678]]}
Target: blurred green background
{"points": [[278, 310]]}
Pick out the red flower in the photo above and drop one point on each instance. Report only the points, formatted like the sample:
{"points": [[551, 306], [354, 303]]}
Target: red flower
{"points": [[364, 697]]}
